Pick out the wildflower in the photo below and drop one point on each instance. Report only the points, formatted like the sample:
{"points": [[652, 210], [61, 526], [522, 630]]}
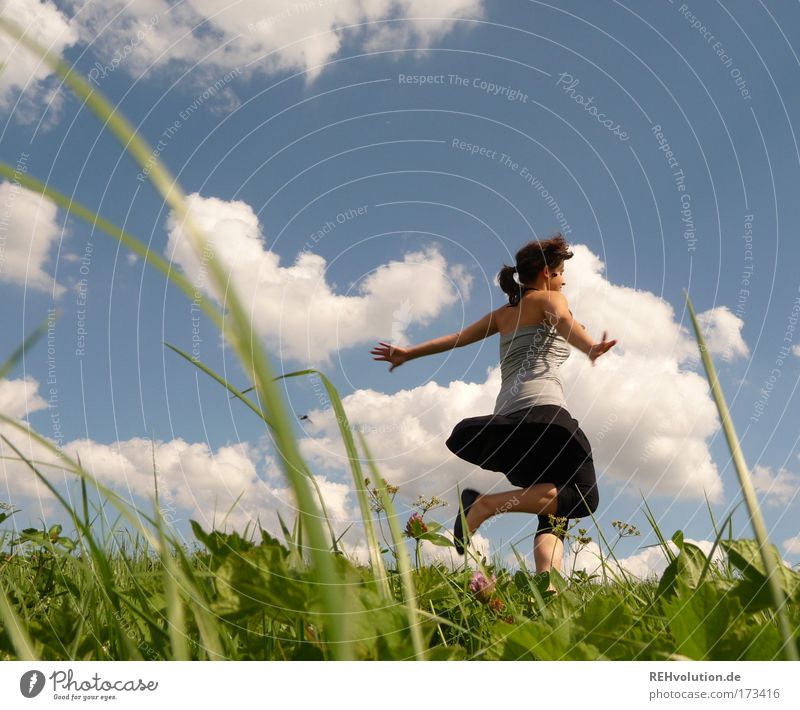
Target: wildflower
{"points": [[376, 503], [582, 539], [482, 587], [558, 523], [426, 504], [625, 529], [496, 604], [415, 527]]}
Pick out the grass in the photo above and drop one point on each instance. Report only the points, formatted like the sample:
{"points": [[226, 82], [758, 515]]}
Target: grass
{"points": [[255, 597], [140, 597]]}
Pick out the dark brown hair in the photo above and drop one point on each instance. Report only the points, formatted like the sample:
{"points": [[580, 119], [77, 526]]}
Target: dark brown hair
{"points": [[531, 259]]}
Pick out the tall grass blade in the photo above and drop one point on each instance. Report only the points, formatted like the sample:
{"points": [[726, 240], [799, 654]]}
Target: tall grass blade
{"points": [[176, 619], [653, 524], [717, 539], [236, 329], [403, 560], [23, 646], [214, 376], [748, 492], [240, 395], [76, 209], [358, 479], [15, 357]]}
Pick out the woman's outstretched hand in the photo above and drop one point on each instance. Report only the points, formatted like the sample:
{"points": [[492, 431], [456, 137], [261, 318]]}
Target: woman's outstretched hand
{"points": [[390, 353], [599, 348]]}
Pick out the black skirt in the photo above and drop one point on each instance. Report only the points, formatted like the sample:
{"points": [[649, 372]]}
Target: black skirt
{"points": [[540, 444]]}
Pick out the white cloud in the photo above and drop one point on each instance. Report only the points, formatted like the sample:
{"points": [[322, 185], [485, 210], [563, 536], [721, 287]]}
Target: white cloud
{"points": [[275, 35], [18, 398], [28, 230], [21, 69], [294, 307], [778, 489], [722, 331], [647, 415], [431, 554], [650, 562], [796, 350], [194, 481], [792, 545]]}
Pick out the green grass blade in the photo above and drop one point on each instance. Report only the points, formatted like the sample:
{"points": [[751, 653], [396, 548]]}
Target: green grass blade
{"points": [[543, 610], [403, 560], [240, 395], [358, 478], [653, 524], [176, 618], [236, 329], [15, 357], [15, 629], [221, 380], [76, 209], [717, 539], [748, 492]]}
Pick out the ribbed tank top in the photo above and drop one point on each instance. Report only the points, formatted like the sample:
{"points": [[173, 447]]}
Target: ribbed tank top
{"points": [[530, 358]]}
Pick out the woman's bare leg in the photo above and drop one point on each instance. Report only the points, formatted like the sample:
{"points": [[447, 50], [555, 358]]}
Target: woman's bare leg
{"points": [[539, 499], [548, 552]]}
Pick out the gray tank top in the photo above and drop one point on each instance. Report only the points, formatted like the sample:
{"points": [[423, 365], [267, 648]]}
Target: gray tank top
{"points": [[530, 358]]}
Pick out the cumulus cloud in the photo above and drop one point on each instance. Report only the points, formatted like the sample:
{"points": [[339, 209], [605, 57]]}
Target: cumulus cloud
{"points": [[21, 397], [650, 562], [647, 414], [294, 307], [238, 484], [21, 69], [431, 554], [722, 331], [268, 35], [28, 230], [792, 545], [777, 489], [645, 410]]}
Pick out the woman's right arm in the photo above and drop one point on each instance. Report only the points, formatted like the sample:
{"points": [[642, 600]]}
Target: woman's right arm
{"points": [[559, 316]]}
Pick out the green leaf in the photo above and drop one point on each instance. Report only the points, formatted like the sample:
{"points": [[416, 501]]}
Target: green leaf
{"points": [[688, 566], [544, 640], [256, 580], [54, 532], [753, 590], [609, 622], [436, 539], [752, 642], [220, 544], [699, 618]]}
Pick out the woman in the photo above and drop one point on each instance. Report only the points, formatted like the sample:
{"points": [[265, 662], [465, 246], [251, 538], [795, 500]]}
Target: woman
{"points": [[531, 437]]}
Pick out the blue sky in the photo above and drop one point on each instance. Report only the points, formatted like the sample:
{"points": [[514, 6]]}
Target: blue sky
{"points": [[366, 175]]}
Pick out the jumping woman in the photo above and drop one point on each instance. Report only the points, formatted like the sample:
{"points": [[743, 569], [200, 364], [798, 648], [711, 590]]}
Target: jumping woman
{"points": [[530, 437]]}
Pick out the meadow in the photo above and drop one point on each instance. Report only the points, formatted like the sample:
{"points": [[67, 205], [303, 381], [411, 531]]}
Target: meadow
{"points": [[135, 592], [115, 596]]}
